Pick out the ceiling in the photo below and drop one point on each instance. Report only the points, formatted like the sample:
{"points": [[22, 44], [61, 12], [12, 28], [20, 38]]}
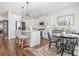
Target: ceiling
{"points": [[35, 8]]}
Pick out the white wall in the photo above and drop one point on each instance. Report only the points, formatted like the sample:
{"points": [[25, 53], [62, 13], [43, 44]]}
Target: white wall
{"points": [[67, 11], [12, 18]]}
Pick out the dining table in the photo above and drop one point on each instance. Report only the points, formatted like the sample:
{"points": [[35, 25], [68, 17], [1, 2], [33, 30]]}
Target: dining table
{"points": [[58, 35], [65, 35]]}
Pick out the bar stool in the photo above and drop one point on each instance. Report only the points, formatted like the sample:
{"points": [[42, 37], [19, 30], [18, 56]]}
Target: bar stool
{"points": [[19, 37]]}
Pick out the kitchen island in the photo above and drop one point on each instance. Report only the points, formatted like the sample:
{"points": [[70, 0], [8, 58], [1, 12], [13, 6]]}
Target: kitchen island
{"points": [[33, 36]]}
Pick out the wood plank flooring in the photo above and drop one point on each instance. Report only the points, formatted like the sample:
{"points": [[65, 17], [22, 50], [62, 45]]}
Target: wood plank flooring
{"points": [[9, 48]]}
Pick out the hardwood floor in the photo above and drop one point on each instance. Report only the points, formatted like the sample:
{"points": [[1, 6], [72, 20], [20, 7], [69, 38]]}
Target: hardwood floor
{"points": [[44, 41], [10, 48]]}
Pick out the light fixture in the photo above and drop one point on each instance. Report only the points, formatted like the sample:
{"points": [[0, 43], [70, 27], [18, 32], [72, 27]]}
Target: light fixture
{"points": [[27, 15]]}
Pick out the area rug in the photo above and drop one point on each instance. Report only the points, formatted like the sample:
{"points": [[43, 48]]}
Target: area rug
{"points": [[44, 51]]}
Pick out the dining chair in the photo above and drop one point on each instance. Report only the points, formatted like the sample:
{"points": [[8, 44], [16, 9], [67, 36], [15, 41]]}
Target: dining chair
{"points": [[68, 44], [51, 40]]}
